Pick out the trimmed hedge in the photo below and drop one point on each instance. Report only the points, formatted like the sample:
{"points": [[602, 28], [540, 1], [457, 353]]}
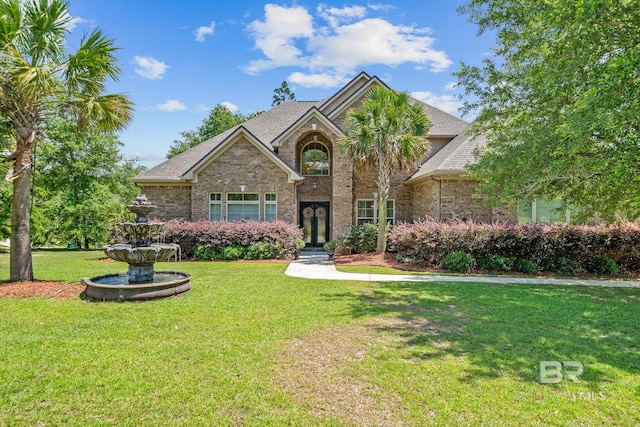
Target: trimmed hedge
{"points": [[234, 239], [429, 242]]}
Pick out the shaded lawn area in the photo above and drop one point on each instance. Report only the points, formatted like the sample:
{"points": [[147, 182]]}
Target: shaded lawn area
{"points": [[251, 346]]}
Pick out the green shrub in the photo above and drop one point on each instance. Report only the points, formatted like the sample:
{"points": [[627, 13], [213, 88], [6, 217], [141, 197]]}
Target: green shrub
{"points": [[283, 237], [496, 262], [361, 239], [259, 250], [206, 253], [232, 253], [602, 266], [566, 266], [526, 266], [298, 244], [458, 261]]}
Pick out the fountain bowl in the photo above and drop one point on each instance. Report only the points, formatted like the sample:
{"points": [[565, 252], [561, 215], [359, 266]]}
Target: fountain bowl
{"points": [[116, 287]]}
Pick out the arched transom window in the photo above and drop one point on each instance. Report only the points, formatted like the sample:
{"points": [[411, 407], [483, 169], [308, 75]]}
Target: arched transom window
{"points": [[315, 159]]}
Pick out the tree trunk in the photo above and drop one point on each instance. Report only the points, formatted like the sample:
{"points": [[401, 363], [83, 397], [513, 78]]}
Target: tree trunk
{"points": [[20, 264], [384, 182]]}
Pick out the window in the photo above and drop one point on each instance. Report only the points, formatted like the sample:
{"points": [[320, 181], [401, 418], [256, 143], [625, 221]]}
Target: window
{"points": [[243, 206], [542, 211], [367, 212], [314, 159], [270, 206], [215, 206]]}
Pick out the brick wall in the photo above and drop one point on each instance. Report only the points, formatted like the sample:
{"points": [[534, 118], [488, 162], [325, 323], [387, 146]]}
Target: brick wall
{"points": [[243, 164], [457, 201], [364, 185], [425, 200], [335, 188], [172, 201]]}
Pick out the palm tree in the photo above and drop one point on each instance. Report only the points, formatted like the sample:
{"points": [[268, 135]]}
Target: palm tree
{"points": [[385, 134], [39, 80]]}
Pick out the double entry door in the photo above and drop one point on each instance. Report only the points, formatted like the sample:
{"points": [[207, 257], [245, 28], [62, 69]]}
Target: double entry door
{"points": [[314, 220]]}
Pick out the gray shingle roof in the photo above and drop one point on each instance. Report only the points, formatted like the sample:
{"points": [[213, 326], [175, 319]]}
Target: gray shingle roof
{"points": [[265, 127], [452, 158], [269, 125], [442, 123]]}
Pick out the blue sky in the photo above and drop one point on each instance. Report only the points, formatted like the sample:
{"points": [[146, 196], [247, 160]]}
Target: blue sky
{"points": [[180, 59]]}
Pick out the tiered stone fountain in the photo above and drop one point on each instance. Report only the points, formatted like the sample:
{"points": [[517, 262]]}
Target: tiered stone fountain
{"points": [[141, 281]]}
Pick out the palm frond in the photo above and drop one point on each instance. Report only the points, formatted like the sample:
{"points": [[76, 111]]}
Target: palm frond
{"points": [[88, 69], [111, 112], [45, 36]]}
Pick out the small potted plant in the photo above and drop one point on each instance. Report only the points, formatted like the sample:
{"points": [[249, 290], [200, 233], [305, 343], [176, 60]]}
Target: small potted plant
{"points": [[330, 247]]}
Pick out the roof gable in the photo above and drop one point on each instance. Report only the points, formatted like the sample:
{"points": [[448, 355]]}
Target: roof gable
{"points": [[357, 95], [312, 113], [333, 102], [192, 173]]}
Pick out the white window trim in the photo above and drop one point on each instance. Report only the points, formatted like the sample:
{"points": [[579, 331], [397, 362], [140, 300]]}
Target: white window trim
{"points": [[270, 203], [242, 202], [215, 202], [375, 211], [328, 158]]}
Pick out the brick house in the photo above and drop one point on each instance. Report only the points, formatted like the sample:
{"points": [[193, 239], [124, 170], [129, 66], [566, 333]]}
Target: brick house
{"points": [[285, 164]]}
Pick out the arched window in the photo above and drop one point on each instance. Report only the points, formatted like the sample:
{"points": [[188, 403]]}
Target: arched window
{"points": [[315, 159]]}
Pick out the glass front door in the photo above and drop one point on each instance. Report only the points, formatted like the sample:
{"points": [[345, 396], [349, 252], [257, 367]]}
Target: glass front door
{"points": [[314, 220]]}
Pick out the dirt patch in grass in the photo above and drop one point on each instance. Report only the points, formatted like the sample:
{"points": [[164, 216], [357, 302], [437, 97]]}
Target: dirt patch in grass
{"points": [[320, 371], [40, 288], [323, 370]]}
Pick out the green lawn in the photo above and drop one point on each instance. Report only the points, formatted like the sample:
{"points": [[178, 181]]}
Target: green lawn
{"points": [[251, 346]]}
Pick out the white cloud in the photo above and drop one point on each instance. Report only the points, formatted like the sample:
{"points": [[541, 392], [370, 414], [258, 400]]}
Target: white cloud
{"points": [[335, 16], [381, 6], [150, 68], [203, 32], [231, 107], [448, 103], [376, 41], [74, 22], [171, 105], [288, 36], [201, 108], [324, 80], [276, 35], [451, 86]]}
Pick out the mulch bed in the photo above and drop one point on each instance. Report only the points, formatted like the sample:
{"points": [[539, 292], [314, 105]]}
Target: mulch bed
{"points": [[389, 260], [41, 288], [381, 260]]}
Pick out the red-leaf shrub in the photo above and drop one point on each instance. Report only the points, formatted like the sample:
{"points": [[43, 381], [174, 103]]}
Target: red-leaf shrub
{"points": [[189, 235], [429, 242]]}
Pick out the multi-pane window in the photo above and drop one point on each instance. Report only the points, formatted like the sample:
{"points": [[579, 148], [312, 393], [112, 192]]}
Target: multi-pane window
{"points": [[270, 206], [314, 159], [542, 211], [242, 206], [367, 211], [215, 207]]}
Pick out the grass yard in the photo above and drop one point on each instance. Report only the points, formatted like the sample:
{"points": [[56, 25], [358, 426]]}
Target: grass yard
{"points": [[251, 346]]}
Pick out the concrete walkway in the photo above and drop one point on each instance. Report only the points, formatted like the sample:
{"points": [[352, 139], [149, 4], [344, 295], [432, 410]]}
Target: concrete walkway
{"points": [[315, 265]]}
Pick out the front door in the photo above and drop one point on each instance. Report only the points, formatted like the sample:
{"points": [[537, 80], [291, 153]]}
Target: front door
{"points": [[314, 220]]}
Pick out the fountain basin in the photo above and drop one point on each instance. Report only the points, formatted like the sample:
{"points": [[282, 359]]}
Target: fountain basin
{"points": [[116, 287], [146, 255]]}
